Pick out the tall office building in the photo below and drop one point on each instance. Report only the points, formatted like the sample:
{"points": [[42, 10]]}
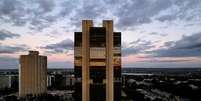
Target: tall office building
{"points": [[32, 74], [97, 63]]}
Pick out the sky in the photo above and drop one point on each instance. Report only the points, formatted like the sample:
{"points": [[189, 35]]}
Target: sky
{"points": [[155, 33]]}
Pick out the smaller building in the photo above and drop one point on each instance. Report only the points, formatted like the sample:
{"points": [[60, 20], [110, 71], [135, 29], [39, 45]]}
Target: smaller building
{"points": [[5, 81], [60, 81], [9, 81], [32, 74]]}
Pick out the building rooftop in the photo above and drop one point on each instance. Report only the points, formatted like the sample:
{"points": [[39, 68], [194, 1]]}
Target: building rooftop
{"points": [[33, 53]]}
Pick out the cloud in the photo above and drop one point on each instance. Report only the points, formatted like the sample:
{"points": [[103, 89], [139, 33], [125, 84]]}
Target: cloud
{"points": [[183, 10], [159, 34], [41, 14], [61, 64], [188, 46], [136, 47], [35, 14], [8, 62], [61, 47], [92, 9], [176, 53], [67, 7], [166, 18], [189, 42], [46, 5], [156, 33], [167, 60], [4, 34], [12, 49], [137, 12], [137, 41], [12, 11]]}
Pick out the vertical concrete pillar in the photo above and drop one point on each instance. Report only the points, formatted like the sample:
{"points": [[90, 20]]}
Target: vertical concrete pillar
{"points": [[45, 72], [34, 76], [108, 24], [86, 24], [41, 74], [20, 78]]}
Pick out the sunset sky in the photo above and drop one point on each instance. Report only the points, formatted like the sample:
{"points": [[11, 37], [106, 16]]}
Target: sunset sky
{"points": [[155, 33]]}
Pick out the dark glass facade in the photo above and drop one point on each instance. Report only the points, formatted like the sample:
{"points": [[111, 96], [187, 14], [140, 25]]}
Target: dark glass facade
{"points": [[97, 43]]}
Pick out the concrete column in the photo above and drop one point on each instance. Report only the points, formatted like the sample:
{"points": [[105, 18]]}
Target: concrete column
{"points": [[86, 24], [39, 74], [45, 76], [39, 70], [20, 78], [35, 76], [108, 24]]}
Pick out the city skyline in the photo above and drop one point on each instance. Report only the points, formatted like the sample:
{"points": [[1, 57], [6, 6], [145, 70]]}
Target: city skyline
{"points": [[158, 33]]}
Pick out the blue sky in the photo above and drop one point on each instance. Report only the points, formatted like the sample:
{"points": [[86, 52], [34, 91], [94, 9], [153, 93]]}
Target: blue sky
{"points": [[155, 33]]}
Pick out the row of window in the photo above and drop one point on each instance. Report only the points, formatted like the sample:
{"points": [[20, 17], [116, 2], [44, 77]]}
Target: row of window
{"points": [[98, 39]]}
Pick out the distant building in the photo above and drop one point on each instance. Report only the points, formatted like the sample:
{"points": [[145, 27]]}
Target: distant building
{"points": [[97, 63], [9, 81], [70, 80], [50, 79], [32, 74], [5, 81]]}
